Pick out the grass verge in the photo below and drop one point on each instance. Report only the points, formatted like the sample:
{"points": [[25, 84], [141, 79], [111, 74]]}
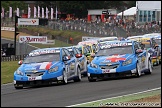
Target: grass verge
{"points": [[115, 102], [7, 71]]}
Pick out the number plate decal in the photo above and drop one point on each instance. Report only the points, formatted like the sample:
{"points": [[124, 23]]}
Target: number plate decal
{"points": [[106, 71], [34, 78]]}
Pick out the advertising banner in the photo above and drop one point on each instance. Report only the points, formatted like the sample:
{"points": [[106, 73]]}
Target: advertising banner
{"points": [[33, 39], [8, 28], [87, 38], [27, 21]]}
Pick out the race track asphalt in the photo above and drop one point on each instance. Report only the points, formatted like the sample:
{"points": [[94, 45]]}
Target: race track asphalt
{"points": [[79, 92]]}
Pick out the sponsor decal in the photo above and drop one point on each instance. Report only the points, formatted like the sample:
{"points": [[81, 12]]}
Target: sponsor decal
{"points": [[8, 28], [115, 58], [27, 21], [115, 44], [106, 71], [39, 52], [40, 66], [33, 21], [32, 39], [44, 65]]}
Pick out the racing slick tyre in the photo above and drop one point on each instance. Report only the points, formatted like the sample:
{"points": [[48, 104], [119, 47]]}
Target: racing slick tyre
{"points": [[138, 72], [90, 79], [79, 76], [18, 87], [64, 81], [149, 68]]}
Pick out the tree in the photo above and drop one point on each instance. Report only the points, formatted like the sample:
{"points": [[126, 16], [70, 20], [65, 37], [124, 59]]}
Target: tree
{"points": [[14, 4]]}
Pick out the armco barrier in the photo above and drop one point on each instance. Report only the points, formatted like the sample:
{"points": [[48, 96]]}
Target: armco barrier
{"points": [[13, 58]]}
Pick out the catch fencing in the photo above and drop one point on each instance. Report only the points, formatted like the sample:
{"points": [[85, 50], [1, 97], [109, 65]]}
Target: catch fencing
{"points": [[93, 28], [13, 58]]}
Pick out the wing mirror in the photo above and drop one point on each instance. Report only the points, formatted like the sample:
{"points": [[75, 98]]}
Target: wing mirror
{"points": [[78, 55], [66, 58], [20, 62], [139, 51]]}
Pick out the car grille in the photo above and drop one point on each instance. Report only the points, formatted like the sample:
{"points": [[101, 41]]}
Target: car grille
{"points": [[35, 73], [113, 66], [104, 63]]}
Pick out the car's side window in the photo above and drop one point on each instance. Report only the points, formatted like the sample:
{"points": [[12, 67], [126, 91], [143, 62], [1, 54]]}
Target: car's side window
{"points": [[63, 53], [78, 51], [67, 53], [94, 48], [153, 42], [142, 46], [75, 52], [71, 51], [88, 48], [85, 50], [136, 46]]}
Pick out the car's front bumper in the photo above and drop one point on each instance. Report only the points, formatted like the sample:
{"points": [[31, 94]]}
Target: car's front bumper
{"points": [[37, 80], [34, 82], [112, 75], [121, 71]]}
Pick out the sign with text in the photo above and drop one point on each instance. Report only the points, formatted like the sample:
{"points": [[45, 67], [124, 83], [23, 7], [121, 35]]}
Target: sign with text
{"points": [[33, 39], [8, 28], [28, 21]]}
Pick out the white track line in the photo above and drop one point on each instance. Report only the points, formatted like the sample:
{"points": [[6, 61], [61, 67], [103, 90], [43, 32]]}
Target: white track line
{"points": [[7, 84], [114, 97]]}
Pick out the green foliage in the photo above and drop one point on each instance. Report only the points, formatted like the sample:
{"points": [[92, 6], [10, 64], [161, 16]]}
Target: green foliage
{"points": [[7, 71], [14, 4], [79, 8], [65, 34]]}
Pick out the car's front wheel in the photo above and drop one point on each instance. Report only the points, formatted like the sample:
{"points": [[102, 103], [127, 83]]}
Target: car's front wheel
{"points": [[90, 79], [138, 72], [149, 68], [64, 81], [79, 76], [18, 87]]}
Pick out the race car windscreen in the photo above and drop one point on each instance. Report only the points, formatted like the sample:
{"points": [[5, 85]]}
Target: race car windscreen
{"points": [[115, 50], [42, 58]]}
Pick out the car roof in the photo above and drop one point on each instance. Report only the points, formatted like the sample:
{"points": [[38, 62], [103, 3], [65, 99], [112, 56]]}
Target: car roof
{"points": [[117, 41]]}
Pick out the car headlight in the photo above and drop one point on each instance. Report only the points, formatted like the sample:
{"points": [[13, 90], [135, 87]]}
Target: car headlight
{"points": [[93, 65], [127, 62], [19, 72], [53, 69]]}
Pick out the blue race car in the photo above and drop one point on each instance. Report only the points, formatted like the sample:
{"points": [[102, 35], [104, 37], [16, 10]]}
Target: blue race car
{"points": [[45, 66], [82, 59], [119, 59]]}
